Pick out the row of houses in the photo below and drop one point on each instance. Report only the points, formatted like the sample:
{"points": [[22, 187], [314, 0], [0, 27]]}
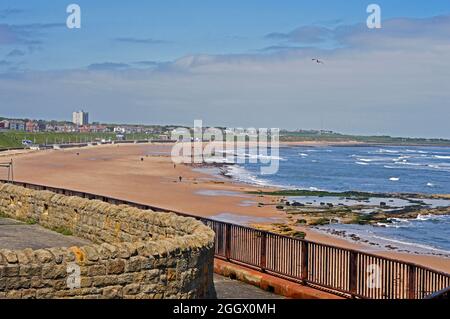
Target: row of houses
{"points": [[41, 126], [16, 125], [136, 129], [32, 126]]}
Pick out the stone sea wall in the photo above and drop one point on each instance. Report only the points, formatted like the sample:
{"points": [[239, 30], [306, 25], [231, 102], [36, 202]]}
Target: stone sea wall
{"points": [[134, 253]]}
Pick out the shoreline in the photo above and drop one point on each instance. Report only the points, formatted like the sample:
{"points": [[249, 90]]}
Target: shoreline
{"points": [[358, 144], [307, 143], [118, 171]]}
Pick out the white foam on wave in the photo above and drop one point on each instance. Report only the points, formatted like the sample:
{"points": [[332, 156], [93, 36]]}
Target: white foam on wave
{"points": [[244, 155], [405, 162], [242, 175], [384, 240], [406, 243], [401, 159], [424, 217], [372, 159], [417, 151], [382, 150], [441, 157], [362, 163], [428, 217], [407, 165], [390, 225], [398, 223], [439, 167], [394, 179]]}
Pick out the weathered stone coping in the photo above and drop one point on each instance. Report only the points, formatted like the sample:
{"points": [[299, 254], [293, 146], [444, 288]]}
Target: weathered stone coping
{"points": [[136, 253]]}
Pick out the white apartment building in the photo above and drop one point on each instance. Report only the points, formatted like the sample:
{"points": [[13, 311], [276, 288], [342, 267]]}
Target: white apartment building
{"points": [[80, 118]]}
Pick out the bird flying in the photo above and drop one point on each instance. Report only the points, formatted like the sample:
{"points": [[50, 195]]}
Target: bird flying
{"points": [[318, 61]]}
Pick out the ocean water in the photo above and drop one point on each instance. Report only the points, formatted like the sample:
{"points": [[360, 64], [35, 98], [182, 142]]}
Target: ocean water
{"points": [[426, 234], [373, 169]]}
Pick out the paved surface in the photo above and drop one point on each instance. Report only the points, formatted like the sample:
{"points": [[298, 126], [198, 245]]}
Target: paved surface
{"points": [[18, 235], [227, 288]]}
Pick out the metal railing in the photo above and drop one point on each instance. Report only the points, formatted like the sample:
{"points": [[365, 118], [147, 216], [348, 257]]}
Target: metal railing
{"points": [[347, 272]]}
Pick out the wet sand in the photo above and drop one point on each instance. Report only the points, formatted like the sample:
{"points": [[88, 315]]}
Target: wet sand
{"points": [[119, 171]]}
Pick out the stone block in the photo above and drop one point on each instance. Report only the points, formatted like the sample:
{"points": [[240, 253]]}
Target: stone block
{"points": [[116, 266]]}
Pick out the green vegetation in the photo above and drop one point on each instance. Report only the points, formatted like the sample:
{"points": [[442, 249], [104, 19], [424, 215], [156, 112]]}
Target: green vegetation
{"points": [[64, 231], [300, 192], [299, 235], [14, 139], [31, 221], [282, 229], [320, 222], [315, 136], [363, 219]]}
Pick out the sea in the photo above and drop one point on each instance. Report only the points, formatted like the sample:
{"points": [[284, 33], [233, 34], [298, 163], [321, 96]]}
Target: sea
{"points": [[405, 169]]}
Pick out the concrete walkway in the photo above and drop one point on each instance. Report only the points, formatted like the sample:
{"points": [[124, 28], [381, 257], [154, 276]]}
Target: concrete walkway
{"points": [[16, 235], [227, 288]]}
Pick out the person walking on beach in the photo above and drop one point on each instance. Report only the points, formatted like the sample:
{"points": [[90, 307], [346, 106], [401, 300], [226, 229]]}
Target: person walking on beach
{"points": [[180, 178]]}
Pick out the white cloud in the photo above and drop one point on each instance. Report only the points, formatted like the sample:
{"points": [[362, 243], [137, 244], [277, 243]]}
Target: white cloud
{"points": [[394, 83]]}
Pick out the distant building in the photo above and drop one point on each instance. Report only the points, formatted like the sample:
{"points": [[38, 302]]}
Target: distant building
{"points": [[4, 124], [120, 130], [17, 125], [49, 128], [80, 118], [98, 128], [163, 137], [66, 128], [41, 125], [84, 129], [31, 127]]}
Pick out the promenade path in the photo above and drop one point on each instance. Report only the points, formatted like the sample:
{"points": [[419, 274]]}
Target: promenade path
{"points": [[16, 235], [227, 288]]}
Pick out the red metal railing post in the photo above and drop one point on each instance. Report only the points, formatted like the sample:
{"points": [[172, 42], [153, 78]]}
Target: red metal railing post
{"points": [[353, 272], [411, 282], [263, 263], [304, 261], [228, 242]]}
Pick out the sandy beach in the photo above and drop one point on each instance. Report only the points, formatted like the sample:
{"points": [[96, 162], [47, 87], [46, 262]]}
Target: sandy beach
{"points": [[144, 173]]}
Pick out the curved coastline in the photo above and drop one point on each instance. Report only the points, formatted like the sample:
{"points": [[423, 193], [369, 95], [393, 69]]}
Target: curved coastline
{"points": [[120, 173]]}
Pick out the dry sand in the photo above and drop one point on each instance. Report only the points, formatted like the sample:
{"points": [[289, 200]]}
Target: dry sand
{"points": [[118, 171]]}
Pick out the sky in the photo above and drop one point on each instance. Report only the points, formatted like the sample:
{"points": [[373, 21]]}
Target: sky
{"points": [[231, 63]]}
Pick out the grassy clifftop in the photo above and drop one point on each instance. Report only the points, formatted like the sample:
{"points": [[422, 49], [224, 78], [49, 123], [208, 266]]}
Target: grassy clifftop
{"points": [[336, 137], [14, 139]]}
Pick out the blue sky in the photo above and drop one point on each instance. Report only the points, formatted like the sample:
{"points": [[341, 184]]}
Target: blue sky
{"points": [[175, 61], [183, 27]]}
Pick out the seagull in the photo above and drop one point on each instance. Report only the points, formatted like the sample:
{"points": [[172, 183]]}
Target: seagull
{"points": [[318, 61]]}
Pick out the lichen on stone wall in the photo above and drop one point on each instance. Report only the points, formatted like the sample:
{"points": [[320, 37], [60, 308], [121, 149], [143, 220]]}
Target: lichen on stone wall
{"points": [[134, 253]]}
